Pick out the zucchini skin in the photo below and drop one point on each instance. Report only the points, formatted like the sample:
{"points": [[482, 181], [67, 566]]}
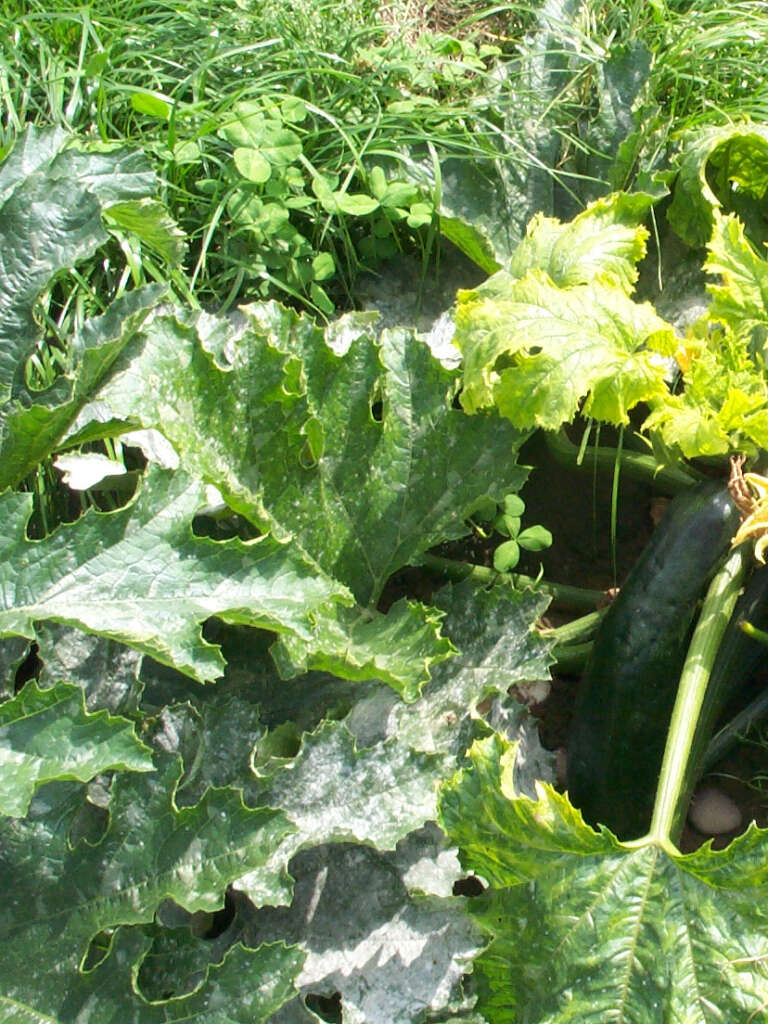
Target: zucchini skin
{"points": [[628, 689]]}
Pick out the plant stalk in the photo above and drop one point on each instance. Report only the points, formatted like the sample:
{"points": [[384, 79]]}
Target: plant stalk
{"points": [[573, 641], [634, 465], [576, 631], [678, 774], [570, 659], [576, 598], [756, 634]]}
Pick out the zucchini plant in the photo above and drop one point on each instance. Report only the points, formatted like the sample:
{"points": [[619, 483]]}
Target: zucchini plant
{"points": [[226, 739], [220, 736]]}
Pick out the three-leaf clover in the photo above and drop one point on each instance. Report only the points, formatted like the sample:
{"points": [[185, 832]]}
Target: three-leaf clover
{"points": [[507, 522]]}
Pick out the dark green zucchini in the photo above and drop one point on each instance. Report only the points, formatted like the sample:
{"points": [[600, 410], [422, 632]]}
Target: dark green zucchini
{"points": [[628, 689]]}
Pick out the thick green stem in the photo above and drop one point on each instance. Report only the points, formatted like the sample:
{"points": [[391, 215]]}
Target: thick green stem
{"points": [[678, 772], [634, 465], [573, 642], [570, 659], [576, 598], [577, 630], [756, 634]]}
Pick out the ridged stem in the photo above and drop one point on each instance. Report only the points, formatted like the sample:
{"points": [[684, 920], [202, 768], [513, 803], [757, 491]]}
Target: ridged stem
{"points": [[570, 659], [562, 594], [634, 465], [678, 773], [577, 630]]}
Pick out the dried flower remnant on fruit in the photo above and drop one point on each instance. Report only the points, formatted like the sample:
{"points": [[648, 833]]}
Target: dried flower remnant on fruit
{"points": [[739, 488], [750, 493]]}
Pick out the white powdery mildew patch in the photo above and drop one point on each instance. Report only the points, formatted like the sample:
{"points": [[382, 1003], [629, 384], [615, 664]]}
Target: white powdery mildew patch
{"points": [[412, 963]]}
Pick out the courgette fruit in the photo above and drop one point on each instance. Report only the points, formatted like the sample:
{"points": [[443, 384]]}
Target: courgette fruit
{"points": [[628, 688]]}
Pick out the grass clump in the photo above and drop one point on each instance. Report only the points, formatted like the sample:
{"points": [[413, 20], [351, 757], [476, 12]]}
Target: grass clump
{"points": [[298, 145], [282, 161]]}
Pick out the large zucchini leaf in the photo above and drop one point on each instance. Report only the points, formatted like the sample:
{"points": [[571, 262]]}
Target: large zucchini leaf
{"points": [[293, 814], [408, 925], [556, 332], [541, 169], [54, 193], [345, 443], [139, 575], [62, 894], [722, 168], [380, 928], [585, 928], [723, 406], [348, 443]]}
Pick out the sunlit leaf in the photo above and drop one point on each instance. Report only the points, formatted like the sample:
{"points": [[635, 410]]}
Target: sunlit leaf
{"points": [[152, 104], [140, 576], [400, 466], [537, 351], [47, 734]]}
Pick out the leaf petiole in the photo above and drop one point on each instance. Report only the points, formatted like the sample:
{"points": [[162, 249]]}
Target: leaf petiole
{"points": [[679, 769], [577, 598]]}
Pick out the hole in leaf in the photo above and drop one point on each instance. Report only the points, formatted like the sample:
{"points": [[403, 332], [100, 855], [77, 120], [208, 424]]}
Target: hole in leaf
{"points": [[65, 487], [98, 950], [469, 886], [225, 525], [407, 583], [221, 919], [283, 742], [28, 669], [48, 362], [307, 458], [376, 403], [327, 1008]]}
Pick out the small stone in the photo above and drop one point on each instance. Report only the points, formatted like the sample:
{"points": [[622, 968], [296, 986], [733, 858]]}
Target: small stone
{"points": [[712, 812], [530, 693]]}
